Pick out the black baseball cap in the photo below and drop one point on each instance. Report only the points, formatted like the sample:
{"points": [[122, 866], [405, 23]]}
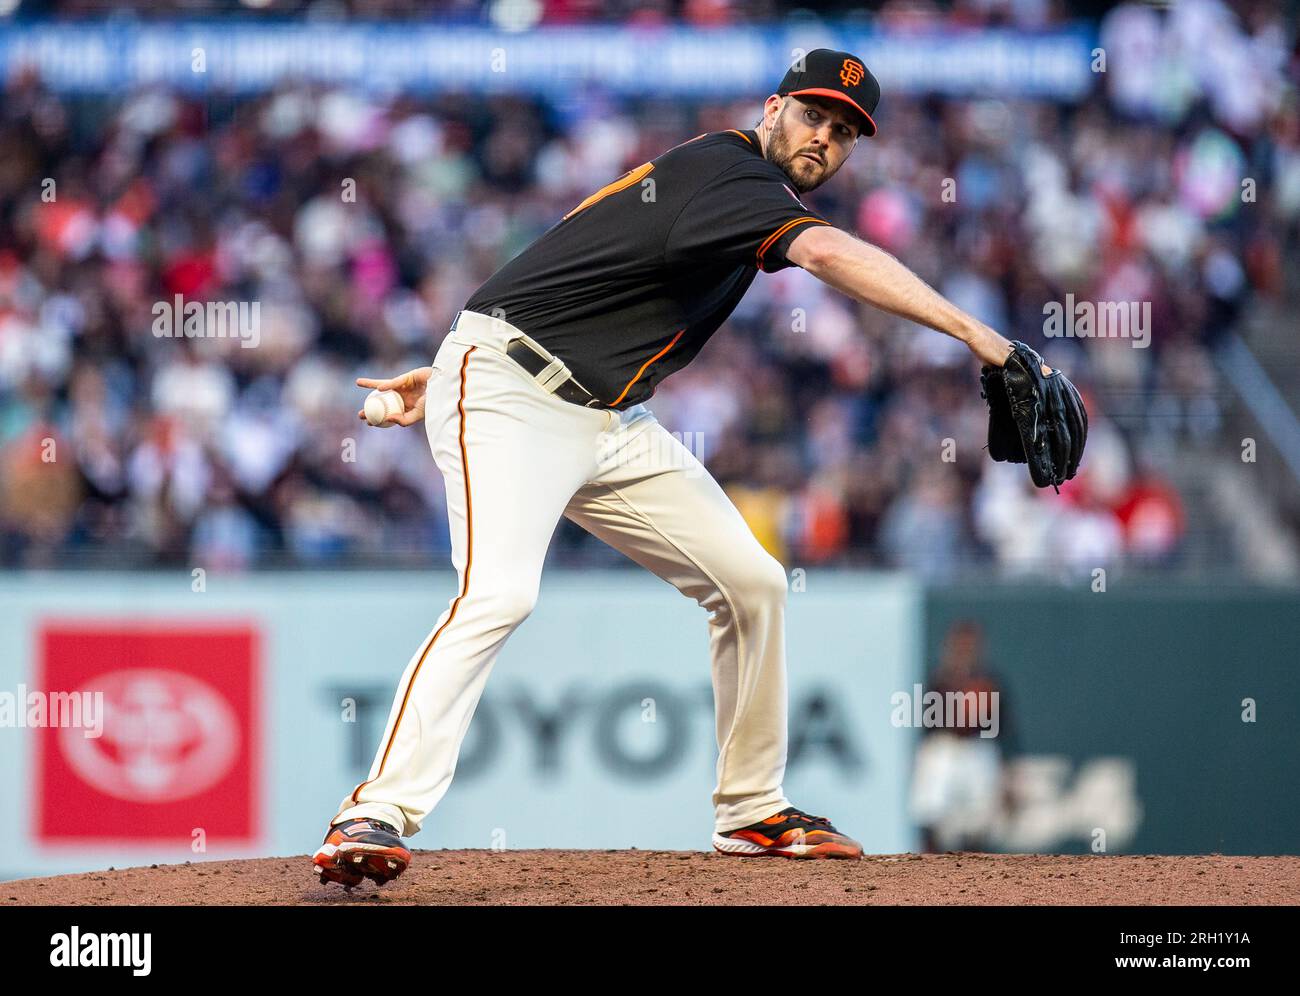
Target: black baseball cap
{"points": [[836, 76]]}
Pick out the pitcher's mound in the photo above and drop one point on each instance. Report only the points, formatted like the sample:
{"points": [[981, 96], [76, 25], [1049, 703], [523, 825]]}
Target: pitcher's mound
{"points": [[456, 878]]}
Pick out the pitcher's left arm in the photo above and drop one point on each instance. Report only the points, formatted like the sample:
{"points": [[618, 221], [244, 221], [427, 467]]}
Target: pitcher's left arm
{"points": [[871, 275]]}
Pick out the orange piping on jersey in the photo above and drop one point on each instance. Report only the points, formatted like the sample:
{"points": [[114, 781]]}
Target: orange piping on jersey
{"points": [[469, 562], [622, 183], [645, 365], [741, 134], [767, 243]]}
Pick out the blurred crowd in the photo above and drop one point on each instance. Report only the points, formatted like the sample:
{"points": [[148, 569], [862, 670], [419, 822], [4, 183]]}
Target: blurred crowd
{"points": [[523, 14], [360, 225]]}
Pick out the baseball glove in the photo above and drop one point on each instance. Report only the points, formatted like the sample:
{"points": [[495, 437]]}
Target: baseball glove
{"points": [[1034, 419]]}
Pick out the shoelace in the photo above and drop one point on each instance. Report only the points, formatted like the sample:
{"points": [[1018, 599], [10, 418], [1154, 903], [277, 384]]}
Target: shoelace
{"points": [[816, 820]]}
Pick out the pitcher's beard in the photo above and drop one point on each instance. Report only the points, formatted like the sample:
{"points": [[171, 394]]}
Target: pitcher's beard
{"points": [[787, 159]]}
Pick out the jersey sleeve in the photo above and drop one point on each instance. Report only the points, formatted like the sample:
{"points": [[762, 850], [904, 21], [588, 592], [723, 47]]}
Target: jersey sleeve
{"points": [[744, 216]]}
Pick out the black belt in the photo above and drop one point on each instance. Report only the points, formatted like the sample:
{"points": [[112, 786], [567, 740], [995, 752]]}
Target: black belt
{"points": [[532, 361]]}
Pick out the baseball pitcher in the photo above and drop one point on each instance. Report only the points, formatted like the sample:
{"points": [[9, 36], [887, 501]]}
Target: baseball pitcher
{"points": [[534, 408]]}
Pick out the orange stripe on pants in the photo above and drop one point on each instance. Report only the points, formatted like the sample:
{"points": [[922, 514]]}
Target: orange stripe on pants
{"points": [[469, 562]]}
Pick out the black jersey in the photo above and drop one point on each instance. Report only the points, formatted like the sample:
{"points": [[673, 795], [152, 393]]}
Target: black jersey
{"points": [[631, 283]]}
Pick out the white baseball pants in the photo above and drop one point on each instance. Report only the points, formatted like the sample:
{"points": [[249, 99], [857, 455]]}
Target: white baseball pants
{"points": [[515, 458]]}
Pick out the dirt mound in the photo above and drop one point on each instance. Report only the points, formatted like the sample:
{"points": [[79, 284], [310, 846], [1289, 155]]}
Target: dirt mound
{"points": [[453, 878]]}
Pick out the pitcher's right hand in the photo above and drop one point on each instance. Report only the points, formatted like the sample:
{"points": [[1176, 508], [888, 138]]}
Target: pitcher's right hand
{"points": [[410, 385]]}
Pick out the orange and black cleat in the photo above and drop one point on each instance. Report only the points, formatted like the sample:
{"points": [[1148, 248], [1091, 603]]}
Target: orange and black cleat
{"points": [[788, 834], [359, 849]]}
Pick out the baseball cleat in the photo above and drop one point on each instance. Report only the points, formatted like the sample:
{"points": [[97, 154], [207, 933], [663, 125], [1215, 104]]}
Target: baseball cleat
{"points": [[788, 834], [355, 850]]}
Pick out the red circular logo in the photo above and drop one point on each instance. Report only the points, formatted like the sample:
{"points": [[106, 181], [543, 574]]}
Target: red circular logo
{"points": [[166, 736]]}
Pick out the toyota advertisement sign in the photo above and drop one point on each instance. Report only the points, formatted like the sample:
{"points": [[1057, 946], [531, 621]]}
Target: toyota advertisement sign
{"points": [[164, 724]]}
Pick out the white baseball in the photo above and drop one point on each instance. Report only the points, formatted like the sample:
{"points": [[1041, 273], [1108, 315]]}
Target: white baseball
{"points": [[381, 405]]}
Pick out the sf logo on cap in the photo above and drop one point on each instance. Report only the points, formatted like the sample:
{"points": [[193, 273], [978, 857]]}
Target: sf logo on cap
{"points": [[851, 72]]}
